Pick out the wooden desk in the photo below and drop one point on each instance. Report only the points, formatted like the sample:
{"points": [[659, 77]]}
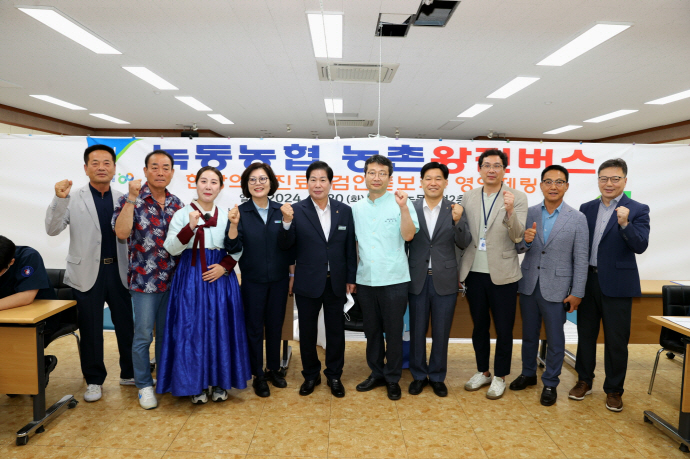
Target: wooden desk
{"points": [[682, 433], [22, 360]]}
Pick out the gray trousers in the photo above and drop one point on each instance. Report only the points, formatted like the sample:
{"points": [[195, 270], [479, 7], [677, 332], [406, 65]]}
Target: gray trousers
{"points": [[383, 309], [441, 309]]}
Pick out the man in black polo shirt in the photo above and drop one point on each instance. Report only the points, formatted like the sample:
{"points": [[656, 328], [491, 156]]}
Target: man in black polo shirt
{"points": [[23, 279]]}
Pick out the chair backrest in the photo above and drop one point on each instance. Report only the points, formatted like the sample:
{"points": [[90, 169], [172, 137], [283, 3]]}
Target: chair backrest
{"points": [[676, 301], [63, 292]]}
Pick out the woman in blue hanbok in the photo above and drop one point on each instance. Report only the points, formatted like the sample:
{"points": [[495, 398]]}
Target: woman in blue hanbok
{"points": [[204, 351]]}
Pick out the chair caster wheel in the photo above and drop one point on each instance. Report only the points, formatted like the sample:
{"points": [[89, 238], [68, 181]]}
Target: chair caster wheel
{"points": [[647, 420], [21, 441], [72, 404], [670, 355], [683, 447], [40, 430]]}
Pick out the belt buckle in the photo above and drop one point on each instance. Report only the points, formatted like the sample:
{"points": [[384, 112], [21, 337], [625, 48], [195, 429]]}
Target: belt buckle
{"points": [[107, 261]]}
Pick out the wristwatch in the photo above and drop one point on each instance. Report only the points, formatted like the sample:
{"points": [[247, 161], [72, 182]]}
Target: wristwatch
{"points": [[129, 201]]}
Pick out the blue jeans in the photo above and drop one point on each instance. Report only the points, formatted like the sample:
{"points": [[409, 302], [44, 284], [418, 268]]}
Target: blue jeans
{"points": [[149, 309]]}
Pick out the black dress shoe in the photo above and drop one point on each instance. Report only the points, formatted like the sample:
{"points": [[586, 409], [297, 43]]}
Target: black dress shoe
{"points": [[308, 385], [394, 391], [276, 378], [522, 381], [417, 385], [337, 388], [440, 388], [370, 383], [548, 396], [261, 387], [50, 364]]}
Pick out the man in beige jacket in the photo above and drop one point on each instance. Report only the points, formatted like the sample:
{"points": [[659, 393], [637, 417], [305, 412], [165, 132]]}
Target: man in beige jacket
{"points": [[490, 269]]}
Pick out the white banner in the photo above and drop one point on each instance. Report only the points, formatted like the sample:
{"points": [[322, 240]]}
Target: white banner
{"points": [[31, 165]]}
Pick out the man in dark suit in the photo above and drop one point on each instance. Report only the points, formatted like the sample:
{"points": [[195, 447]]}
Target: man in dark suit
{"points": [[434, 278], [323, 234], [618, 229]]}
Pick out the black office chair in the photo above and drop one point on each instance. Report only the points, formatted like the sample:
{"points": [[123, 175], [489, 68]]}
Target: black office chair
{"points": [[68, 318], [676, 300]]}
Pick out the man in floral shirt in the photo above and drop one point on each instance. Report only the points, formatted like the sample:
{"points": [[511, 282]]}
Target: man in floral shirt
{"points": [[142, 218]]}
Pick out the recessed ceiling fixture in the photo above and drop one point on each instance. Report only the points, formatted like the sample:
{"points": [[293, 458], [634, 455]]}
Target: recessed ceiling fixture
{"points": [[109, 118], [59, 102], [221, 119], [70, 28], [609, 116], [671, 98], [192, 102], [570, 127], [333, 105], [150, 77], [512, 87], [330, 43], [580, 45], [474, 110]]}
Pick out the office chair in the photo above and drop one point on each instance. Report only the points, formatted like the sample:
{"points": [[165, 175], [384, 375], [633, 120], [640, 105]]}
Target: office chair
{"points": [[68, 318]]}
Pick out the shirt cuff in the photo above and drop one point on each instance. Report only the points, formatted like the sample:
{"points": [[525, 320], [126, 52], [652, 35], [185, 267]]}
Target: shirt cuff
{"points": [[228, 263], [286, 225], [185, 235], [529, 244]]}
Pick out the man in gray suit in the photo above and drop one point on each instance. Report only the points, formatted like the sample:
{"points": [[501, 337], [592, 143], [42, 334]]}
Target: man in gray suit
{"points": [[434, 278], [96, 265], [554, 274]]}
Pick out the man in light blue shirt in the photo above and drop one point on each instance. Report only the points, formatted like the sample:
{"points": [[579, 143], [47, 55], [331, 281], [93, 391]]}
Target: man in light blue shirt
{"points": [[383, 222]]}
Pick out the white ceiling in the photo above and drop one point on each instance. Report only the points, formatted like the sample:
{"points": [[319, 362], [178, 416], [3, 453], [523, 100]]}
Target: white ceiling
{"points": [[253, 62]]}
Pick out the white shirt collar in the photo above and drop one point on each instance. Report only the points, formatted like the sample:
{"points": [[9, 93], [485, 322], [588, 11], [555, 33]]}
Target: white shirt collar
{"points": [[318, 209], [426, 204]]}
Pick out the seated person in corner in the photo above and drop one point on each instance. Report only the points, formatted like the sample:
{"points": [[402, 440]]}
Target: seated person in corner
{"points": [[23, 279]]}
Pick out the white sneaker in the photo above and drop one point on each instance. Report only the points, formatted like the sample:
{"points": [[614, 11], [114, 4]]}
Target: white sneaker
{"points": [[93, 393], [477, 381], [498, 386], [130, 382], [219, 394], [200, 399], [147, 399]]}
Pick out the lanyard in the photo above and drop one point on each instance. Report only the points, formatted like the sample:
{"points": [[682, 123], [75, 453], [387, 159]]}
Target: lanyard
{"points": [[486, 217]]}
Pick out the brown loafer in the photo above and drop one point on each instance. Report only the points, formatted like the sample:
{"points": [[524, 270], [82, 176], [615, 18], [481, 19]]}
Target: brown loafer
{"points": [[614, 402], [580, 390]]}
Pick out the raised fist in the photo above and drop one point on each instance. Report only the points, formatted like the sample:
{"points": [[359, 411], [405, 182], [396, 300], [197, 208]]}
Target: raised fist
{"points": [[457, 212], [508, 200], [530, 233], [288, 212], [194, 218], [401, 198], [234, 215], [62, 188], [134, 187]]}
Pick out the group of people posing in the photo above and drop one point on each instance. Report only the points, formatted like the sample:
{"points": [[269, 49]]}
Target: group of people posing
{"points": [[164, 266]]}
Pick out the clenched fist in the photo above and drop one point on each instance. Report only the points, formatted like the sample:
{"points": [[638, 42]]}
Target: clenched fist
{"points": [[62, 188], [234, 215], [194, 219], [288, 212], [134, 188], [401, 198], [622, 212], [508, 201], [457, 212], [530, 233]]}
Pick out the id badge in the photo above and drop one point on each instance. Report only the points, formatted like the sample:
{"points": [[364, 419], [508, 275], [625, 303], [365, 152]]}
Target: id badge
{"points": [[482, 245]]}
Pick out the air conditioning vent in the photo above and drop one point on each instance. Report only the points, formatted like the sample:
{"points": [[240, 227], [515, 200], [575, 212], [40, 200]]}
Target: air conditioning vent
{"points": [[351, 123], [356, 72]]}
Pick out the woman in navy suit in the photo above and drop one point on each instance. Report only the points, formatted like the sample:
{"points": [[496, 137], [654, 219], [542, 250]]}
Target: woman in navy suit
{"points": [[253, 230]]}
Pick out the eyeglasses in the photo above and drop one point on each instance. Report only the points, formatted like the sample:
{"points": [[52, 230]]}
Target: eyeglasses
{"points": [[615, 179], [254, 181], [488, 167], [381, 174], [559, 183]]}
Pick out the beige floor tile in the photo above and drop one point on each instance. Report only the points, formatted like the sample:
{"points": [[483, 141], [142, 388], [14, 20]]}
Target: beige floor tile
{"points": [[588, 439], [501, 439], [366, 438], [476, 406], [564, 408], [67, 367], [363, 405], [428, 405], [43, 452], [634, 404], [440, 439], [647, 439], [146, 429], [112, 453], [115, 397], [167, 402], [288, 402], [76, 427], [13, 418], [290, 437], [239, 403], [185, 455], [216, 433], [19, 400]]}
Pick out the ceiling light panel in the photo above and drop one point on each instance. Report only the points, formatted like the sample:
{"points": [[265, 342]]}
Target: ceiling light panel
{"points": [[474, 110], [570, 127], [610, 116], [580, 45], [69, 28], [220, 118], [59, 102], [333, 105], [109, 118], [192, 102], [329, 43], [151, 78], [671, 98], [512, 87]]}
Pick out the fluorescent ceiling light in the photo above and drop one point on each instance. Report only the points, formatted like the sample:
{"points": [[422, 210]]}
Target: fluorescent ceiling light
{"points": [[609, 116], [671, 98], [108, 118], [59, 102], [69, 28], [330, 43], [221, 119], [474, 110], [150, 77], [333, 105], [511, 87], [192, 102], [588, 40], [570, 127]]}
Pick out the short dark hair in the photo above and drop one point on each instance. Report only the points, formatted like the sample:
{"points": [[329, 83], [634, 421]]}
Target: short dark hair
{"points": [[435, 165], [555, 167], [618, 162], [493, 152], [379, 159], [93, 148], [320, 165], [159, 152], [209, 168], [7, 249], [244, 180]]}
